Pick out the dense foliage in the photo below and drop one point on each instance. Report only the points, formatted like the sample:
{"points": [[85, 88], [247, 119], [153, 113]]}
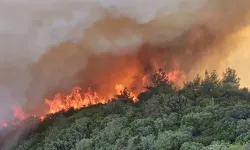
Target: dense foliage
{"points": [[207, 114]]}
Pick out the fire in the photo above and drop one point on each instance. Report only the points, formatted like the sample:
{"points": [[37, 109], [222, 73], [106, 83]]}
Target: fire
{"points": [[18, 112], [172, 76], [5, 124], [42, 118], [119, 88], [78, 99]]}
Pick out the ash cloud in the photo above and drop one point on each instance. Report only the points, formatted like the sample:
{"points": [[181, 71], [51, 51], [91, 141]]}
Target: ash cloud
{"points": [[49, 46]]}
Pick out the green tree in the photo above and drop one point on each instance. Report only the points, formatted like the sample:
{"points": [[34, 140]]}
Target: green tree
{"points": [[200, 121], [84, 144], [142, 127], [218, 145], [172, 140], [191, 146], [230, 79]]}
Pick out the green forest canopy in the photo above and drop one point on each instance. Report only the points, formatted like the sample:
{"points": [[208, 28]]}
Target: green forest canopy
{"points": [[207, 114]]}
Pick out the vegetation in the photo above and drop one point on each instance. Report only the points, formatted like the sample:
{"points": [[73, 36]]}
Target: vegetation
{"points": [[207, 114]]}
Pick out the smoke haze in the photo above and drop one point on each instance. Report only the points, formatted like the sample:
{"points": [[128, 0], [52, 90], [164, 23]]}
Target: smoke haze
{"points": [[49, 46]]}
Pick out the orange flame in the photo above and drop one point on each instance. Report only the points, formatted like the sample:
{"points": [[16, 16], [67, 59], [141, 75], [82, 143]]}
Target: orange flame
{"points": [[172, 76], [78, 99], [119, 88]]}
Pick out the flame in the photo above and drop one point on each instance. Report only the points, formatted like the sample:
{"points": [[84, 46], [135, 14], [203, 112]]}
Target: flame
{"points": [[172, 76], [5, 124], [78, 99], [42, 118], [18, 112], [119, 88]]}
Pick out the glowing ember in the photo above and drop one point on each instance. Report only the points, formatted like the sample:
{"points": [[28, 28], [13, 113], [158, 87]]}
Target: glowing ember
{"points": [[42, 118], [5, 124], [18, 112]]}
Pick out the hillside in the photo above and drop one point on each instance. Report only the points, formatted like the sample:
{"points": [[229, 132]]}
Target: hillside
{"points": [[207, 114]]}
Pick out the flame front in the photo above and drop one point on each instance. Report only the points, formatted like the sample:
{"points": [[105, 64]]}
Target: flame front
{"points": [[78, 99]]}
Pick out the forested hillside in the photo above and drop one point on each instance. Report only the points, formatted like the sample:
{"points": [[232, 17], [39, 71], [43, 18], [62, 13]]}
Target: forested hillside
{"points": [[209, 113]]}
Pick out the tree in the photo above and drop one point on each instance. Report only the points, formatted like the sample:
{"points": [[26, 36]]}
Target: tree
{"points": [[148, 142], [142, 127], [160, 83], [191, 146], [172, 140], [207, 114], [200, 121], [84, 144], [67, 138], [218, 145], [157, 106], [243, 126], [230, 79]]}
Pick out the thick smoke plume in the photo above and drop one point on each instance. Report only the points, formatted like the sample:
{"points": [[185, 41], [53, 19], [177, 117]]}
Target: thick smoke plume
{"points": [[49, 46]]}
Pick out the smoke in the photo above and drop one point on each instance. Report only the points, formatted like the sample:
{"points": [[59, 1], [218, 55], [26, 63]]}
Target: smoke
{"points": [[49, 46]]}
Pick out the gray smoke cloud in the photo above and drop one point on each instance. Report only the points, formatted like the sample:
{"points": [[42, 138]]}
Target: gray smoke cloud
{"points": [[44, 42]]}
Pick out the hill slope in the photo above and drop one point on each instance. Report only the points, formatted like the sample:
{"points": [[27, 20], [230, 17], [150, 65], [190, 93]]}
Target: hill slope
{"points": [[209, 113]]}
